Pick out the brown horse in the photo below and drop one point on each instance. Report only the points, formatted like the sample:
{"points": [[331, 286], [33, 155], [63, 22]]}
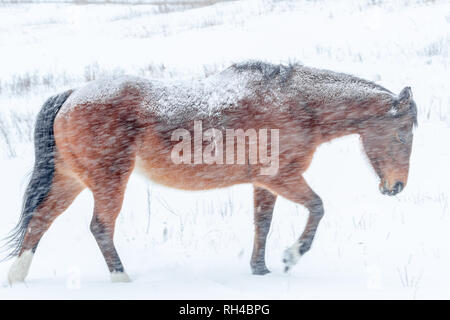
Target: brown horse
{"points": [[95, 136]]}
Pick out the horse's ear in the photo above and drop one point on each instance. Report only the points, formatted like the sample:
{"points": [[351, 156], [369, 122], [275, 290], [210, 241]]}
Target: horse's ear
{"points": [[405, 95], [403, 102]]}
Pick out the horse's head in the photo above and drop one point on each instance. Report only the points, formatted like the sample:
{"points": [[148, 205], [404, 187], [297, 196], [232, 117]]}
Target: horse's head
{"points": [[387, 141]]}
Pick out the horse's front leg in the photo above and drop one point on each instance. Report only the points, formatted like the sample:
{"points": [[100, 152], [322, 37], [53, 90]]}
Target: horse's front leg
{"points": [[297, 190], [303, 244], [264, 202]]}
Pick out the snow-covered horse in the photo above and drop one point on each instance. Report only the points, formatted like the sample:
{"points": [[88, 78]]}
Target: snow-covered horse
{"points": [[95, 136]]}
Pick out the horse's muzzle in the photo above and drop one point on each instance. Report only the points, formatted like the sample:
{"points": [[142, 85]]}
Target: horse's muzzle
{"points": [[398, 187]]}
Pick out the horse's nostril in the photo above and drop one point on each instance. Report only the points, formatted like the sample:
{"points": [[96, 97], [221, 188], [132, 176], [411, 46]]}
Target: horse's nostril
{"points": [[398, 187]]}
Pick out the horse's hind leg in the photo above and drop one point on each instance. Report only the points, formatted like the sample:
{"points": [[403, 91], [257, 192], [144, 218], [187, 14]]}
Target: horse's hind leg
{"points": [[264, 202], [108, 183], [297, 190], [64, 190], [108, 203]]}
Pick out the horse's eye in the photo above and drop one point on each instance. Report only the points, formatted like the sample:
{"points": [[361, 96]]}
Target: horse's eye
{"points": [[401, 137]]}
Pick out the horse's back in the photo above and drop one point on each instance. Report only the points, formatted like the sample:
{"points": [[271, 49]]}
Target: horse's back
{"points": [[130, 119]]}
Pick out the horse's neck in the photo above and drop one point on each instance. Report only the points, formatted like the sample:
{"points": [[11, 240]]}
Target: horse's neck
{"points": [[332, 130], [347, 118], [339, 102]]}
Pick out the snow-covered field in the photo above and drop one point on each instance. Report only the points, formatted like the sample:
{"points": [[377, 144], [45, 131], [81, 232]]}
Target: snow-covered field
{"points": [[192, 245]]}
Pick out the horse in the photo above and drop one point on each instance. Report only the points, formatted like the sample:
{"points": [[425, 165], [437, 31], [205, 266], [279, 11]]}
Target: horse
{"points": [[96, 135]]}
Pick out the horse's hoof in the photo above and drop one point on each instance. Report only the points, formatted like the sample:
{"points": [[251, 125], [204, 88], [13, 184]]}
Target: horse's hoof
{"points": [[260, 271], [20, 267], [15, 280], [15, 276], [120, 277], [291, 257]]}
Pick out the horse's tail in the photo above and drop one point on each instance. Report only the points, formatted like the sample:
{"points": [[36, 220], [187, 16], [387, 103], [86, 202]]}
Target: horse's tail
{"points": [[43, 171]]}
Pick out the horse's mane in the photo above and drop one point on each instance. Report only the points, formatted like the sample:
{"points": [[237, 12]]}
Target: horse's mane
{"points": [[268, 71], [271, 71]]}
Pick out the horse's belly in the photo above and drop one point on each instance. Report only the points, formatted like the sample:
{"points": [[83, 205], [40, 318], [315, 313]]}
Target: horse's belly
{"points": [[192, 177]]}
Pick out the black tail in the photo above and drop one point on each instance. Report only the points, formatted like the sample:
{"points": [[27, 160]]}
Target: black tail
{"points": [[43, 171]]}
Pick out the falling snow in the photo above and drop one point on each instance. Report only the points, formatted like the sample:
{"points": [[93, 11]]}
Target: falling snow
{"points": [[194, 63]]}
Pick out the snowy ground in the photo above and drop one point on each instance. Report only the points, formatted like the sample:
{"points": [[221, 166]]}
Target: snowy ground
{"points": [[197, 245]]}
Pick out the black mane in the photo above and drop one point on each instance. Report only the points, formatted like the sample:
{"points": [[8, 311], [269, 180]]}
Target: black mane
{"points": [[269, 71]]}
